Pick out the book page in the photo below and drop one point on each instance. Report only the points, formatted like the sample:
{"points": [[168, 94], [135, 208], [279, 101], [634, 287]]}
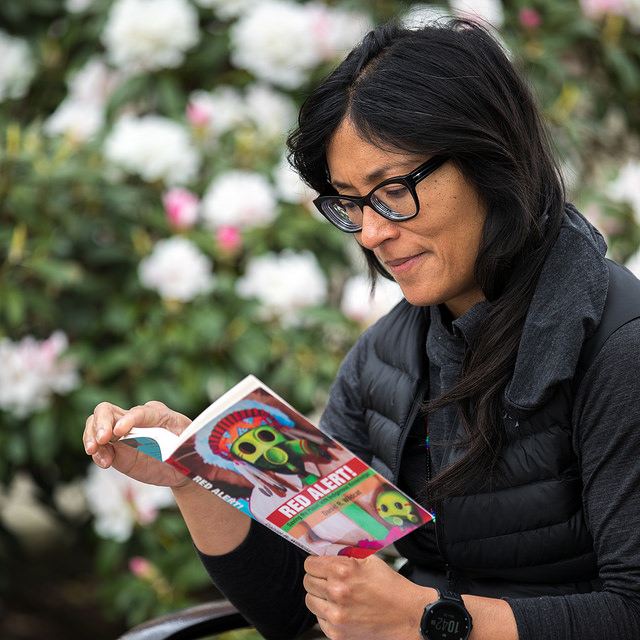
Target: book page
{"points": [[152, 441]]}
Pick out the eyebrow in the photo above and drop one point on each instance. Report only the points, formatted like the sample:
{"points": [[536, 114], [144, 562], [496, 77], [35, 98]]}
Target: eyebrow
{"points": [[377, 176]]}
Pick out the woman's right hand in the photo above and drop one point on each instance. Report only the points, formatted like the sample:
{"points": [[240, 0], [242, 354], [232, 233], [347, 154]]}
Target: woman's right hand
{"points": [[203, 511], [109, 422]]}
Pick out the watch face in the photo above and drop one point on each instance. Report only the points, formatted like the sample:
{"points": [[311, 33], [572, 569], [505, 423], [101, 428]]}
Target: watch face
{"points": [[446, 621]]}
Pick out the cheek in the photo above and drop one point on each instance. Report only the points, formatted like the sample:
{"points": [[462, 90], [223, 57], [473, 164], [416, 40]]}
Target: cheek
{"points": [[460, 241], [469, 239], [470, 215]]}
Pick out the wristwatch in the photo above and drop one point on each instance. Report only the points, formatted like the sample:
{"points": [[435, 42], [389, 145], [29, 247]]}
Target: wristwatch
{"points": [[446, 619]]}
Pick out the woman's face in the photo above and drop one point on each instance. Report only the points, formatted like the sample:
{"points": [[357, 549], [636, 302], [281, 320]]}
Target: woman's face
{"points": [[432, 255]]}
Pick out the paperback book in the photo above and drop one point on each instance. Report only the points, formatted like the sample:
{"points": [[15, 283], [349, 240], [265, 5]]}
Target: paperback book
{"points": [[257, 453]]}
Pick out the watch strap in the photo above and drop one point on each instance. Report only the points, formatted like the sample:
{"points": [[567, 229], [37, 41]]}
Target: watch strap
{"points": [[450, 595]]}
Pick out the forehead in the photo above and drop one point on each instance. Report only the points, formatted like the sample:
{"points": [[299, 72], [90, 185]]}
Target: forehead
{"points": [[354, 161]]}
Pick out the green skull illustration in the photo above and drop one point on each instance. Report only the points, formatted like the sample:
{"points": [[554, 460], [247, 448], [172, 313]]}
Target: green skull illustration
{"points": [[393, 507], [266, 448]]}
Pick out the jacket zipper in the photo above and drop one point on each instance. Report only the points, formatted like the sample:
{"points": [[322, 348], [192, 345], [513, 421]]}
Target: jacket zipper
{"points": [[437, 516], [405, 432]]}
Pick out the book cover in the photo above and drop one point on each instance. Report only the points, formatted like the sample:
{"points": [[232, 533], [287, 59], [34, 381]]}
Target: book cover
{"points": [[256, 452]]}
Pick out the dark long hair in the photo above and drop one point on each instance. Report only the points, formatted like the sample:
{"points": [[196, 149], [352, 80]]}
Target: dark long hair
{"points": [[451, 89]]}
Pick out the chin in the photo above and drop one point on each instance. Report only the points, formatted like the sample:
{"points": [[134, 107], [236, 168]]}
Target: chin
{"points": [[418, 300]]}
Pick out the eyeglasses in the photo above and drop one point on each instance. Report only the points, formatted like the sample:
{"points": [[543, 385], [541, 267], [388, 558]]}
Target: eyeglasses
{"points": [[394, 199]]}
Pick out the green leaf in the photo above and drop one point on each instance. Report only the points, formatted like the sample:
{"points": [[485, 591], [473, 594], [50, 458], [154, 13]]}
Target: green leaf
{"points": [[44, 438]]}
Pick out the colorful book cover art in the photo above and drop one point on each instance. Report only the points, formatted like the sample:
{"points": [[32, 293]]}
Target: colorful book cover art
{"points": [[267, 460]]}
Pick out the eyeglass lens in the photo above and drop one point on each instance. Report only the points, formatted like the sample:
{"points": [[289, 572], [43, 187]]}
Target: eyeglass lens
{"points": [[394, 200]]}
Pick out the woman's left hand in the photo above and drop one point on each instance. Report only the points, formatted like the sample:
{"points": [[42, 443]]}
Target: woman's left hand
{"points": [[364, 598]]}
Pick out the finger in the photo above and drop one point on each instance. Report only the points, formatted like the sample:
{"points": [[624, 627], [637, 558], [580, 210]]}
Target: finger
{"points": [[151, 414], [88, 438], [320, 566], [104, 456], [147, 415], [97, 431], [318, 606], [105, 416], [315, 586]]}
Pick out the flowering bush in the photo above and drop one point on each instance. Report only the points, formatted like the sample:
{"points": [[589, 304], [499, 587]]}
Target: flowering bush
{"points": [[119, 503], [154, 243], [153, 147], [32, 371], [146, 35], [285, 284]]}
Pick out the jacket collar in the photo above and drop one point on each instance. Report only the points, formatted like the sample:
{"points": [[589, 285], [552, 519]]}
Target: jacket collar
{"points": [[565, 310]]}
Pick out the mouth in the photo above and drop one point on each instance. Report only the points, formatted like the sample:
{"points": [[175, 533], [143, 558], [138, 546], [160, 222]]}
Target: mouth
{"points": [[402, 265]]}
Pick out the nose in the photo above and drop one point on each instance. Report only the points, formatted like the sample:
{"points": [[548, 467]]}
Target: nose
{"points": [[375, 229]]}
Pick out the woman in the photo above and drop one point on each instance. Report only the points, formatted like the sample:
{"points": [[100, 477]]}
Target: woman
{"points": [[502, 393]]}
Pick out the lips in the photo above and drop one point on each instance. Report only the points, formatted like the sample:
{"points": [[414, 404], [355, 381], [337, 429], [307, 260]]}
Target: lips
{"points": [[402, 265]]}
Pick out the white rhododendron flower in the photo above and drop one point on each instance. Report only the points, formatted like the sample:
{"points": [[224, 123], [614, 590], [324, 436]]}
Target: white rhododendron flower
{"points": [[81, 115], [359, 305], [94, 82], [17, 68], [281, 42], [273, 42], [421, 14], [284, 284], [79, 121], [146, 35], [217, 111], [626, 186], [290, 186], [118, 503], [597, 9], [487, 10], [33, 371], [177, 270], [269, 112], [228, 8], [272, 112], [632, 13], [154, 147], [336, 31], [239, 198]]}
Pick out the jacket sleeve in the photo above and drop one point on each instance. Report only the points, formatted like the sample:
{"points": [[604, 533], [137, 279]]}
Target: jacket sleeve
{"points": [[606, 422], [263, 579]]}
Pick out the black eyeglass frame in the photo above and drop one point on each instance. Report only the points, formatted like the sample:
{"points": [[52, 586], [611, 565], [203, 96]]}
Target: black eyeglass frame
{"points": [[409, 180]]}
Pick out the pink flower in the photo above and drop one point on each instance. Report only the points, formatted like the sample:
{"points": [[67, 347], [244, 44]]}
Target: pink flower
{"points": [[229, 238], [181, 207], [140, 567], [529, 18], [198, 113]]}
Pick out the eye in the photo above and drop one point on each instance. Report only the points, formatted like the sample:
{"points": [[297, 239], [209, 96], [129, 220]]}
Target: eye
{"points": [[392, 191], [247, 448], [348, 206], [264, 435]]}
